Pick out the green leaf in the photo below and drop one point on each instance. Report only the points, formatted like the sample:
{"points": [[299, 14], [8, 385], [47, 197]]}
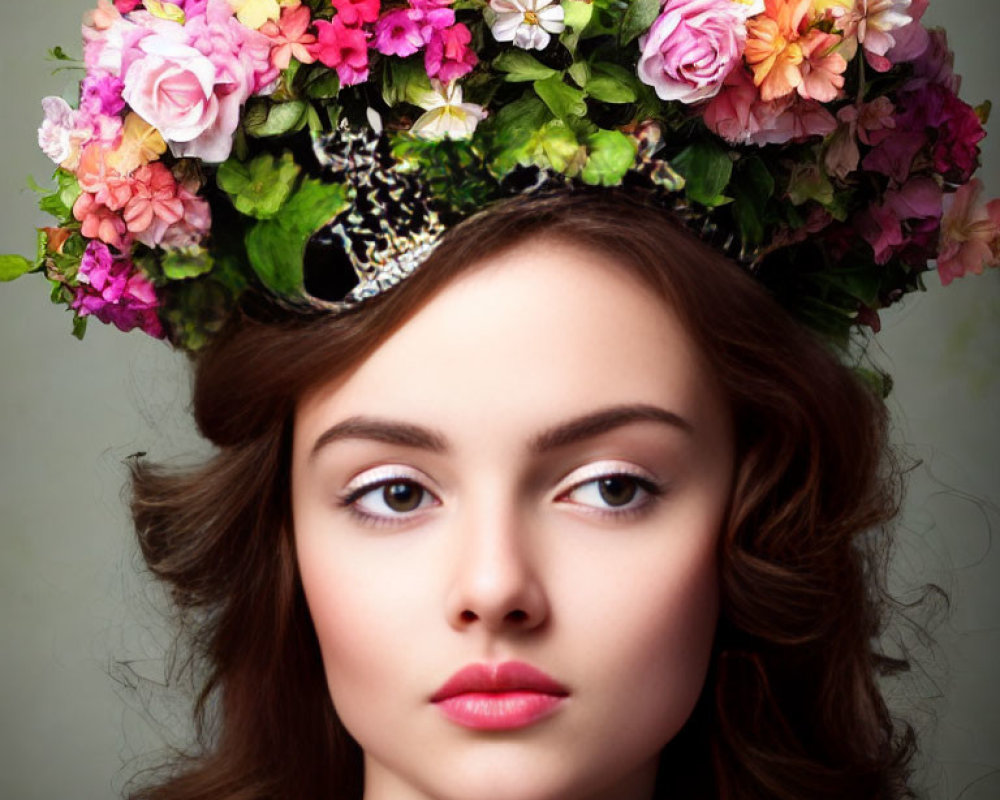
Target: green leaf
{"points": [[276, 119], [79, 326], [258, 189], [576, 14], [12, 266], [752, 187], [707, 168], [562, 99], [275, 247], [189, 262], [322, 84], [521, 67], [515, 125], [405, 81], [612, 153], [612, 83], [580, 73], [559, 146], [639, 17]]}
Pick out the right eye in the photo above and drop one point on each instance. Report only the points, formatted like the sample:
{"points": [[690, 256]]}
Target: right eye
{"points": [[387, 498]]}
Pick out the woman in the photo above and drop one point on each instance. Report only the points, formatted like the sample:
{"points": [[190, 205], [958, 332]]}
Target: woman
{"points": [[552, 447]]}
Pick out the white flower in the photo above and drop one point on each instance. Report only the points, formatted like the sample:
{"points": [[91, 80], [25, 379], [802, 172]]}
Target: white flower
{"points": [[527, 23], [446, 115], [62, 133]]}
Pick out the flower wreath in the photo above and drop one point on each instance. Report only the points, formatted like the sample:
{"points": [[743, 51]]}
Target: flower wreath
{"points": [[215, 144]]}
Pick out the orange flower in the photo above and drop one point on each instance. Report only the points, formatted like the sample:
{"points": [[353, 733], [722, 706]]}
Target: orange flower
{"points": [[786, 55]]}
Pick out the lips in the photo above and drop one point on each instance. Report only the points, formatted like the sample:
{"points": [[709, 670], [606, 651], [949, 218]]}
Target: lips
{"points": [[499, 696]]}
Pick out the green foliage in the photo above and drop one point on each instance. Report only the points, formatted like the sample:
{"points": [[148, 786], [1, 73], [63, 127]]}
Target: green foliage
{"points": [[562, 99], [259, 188], [752, 187], [263, 118], [439, 162], [513, 129], [577, 14], [639, 16], [612, 153], [521, 67], [707, 168], [275, 246], [611, 83], [405, 81], [188, 262], [13, 266], [59, 203]]}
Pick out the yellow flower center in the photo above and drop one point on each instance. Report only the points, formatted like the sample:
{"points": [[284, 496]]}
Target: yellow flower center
{"points": [[531, 17]]}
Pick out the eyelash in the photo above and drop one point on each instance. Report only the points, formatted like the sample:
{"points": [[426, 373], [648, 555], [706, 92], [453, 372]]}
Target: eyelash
{"points": [[349, 500]]}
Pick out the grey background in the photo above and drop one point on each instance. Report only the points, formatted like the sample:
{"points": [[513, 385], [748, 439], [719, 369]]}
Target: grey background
{"points": [[80, 637]]}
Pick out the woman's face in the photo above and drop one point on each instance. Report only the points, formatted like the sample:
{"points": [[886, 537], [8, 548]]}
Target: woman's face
{"points": [[506, 522]]}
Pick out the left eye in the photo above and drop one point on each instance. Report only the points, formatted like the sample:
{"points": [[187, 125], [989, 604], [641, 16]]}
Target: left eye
{"points": [[612, 492], [392, 498]]}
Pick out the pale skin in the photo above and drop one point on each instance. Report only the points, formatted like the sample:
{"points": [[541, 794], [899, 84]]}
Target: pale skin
{"points": [[534, 468]]}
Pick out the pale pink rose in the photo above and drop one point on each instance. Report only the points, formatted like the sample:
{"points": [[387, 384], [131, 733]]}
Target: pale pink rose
{"points": [[732, 113], [193, 101], [692, 47], [970, 234]]}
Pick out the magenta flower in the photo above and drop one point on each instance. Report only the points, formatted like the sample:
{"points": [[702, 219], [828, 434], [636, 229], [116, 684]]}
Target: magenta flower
{"points": [[102, 94], [353, 13], [343, 49], [909, 216], [448, 54], [398, 33], [124, 6], [115, 292]]}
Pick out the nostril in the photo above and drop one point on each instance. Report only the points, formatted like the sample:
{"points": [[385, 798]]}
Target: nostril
{"points": [[468, 616], [517, 615]]}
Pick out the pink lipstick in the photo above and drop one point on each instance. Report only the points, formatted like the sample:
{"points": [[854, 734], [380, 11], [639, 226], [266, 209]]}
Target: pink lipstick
{"points": [[498, 697]]}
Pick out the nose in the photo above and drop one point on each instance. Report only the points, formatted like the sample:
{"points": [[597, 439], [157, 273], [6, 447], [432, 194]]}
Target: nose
{"points": [[495, 584]]}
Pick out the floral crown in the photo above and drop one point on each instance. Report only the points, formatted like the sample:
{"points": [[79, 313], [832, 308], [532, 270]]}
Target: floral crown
{"points": [[317, 149]]}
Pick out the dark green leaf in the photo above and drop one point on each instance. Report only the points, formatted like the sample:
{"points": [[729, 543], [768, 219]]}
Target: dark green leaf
{"points": [[12, 266], [278, 119], [322, 84], [610, 90], [259, 189], [275, 247], [79, 326], [521, 67], [639, 17], [707, 168]]}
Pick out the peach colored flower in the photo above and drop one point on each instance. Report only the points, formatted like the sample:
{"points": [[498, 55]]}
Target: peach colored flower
{"points": [[97, 177], [154, 205], [289, 38], [970, 234], [99, 222], [782, 50]]}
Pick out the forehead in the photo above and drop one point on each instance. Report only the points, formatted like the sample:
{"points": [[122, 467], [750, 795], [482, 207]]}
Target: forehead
{"points": [[537, 333]]}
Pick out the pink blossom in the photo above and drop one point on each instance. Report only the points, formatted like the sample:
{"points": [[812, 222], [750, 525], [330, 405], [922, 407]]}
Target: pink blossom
{"points": [[433, 18], [970, 234], [733, 112], [343, 49], [114, 291], [124, 6], [194, 226], [99, 222], [856, 123], [289, 37], [821, 68], [691, 48], [797, 121], [96, 177], [909, 216], [235, 49], [353, 13], [911, 40], [448, 54], [154, 205], [63, 132], [397, 33], [102, 94]]}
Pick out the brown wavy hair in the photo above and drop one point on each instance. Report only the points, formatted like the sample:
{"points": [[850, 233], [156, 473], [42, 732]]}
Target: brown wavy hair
{"points": [[791, 707]]}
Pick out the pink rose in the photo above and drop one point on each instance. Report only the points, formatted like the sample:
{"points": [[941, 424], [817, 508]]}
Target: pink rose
{"points": [[192, 100], [692, 47]]}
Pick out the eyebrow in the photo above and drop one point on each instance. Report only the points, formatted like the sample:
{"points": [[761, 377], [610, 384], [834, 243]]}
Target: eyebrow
{"points": [[575, 430]]}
